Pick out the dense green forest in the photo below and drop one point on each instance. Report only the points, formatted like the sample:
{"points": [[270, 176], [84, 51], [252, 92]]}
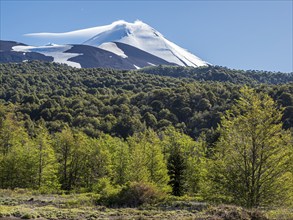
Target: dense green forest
{"points": [[221, 74], [211, 133], [121, 103]]}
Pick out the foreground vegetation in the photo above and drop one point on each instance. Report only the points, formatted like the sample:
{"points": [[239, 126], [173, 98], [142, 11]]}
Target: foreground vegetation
{"points": [[31, 204], [250, 164], [161, 146]]}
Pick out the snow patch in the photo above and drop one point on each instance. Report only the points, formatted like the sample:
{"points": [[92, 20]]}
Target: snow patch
{"points": [[51, 44], [55, 51], [137, 67], [112, 47], [151, 64]]}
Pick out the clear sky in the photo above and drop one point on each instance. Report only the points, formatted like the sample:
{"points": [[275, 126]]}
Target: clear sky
{"points": [[238, 34]]}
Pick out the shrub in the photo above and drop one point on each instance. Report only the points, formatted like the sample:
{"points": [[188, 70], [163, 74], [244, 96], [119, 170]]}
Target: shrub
{"points": [[138, 193], [106, 191], [27, 216]]}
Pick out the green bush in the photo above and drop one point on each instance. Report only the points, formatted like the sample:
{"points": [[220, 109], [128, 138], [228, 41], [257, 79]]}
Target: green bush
{"points": [[27, 216], [106, 191]]}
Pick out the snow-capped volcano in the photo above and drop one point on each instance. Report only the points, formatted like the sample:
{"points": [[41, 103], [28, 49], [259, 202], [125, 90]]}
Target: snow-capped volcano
{"points": [[137, 34], [120, 45], [144, 37]]}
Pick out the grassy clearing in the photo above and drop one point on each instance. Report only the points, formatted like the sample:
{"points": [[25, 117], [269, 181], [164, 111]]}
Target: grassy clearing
{"points": [[32, 205], [280, 214]]}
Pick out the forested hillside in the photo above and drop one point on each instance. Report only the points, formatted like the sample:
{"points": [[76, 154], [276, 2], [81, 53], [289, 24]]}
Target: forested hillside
{"points": [[221, 74], [122, 103], [221, 137]]}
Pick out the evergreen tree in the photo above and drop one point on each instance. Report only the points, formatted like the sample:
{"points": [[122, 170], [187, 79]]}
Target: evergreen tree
{"points": [[177, 171], [186, 161]]}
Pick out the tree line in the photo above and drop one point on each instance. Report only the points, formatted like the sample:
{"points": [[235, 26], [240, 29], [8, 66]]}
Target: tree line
{"points": [[221, 74]]}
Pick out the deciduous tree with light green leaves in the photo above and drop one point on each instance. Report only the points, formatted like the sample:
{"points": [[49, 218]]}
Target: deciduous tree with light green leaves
{"points": [[147, 161], [253, 154], [17, 155], [47, 177]]}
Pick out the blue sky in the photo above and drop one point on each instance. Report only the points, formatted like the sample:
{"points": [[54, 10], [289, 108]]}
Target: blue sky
{"points": [[237, 34]]}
